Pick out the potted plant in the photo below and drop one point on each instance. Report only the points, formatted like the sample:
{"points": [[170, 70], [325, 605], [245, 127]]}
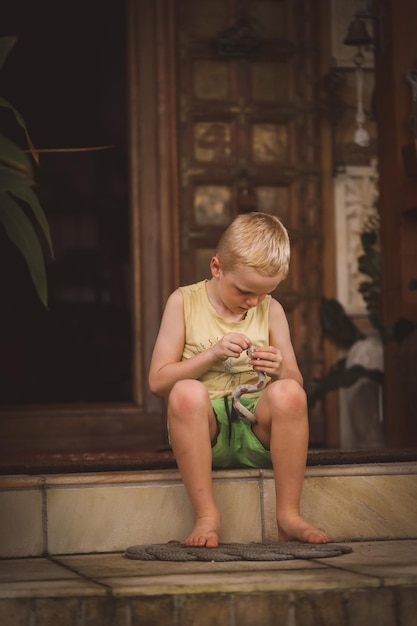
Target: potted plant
{"points": [[340, 328], [360, 371]]}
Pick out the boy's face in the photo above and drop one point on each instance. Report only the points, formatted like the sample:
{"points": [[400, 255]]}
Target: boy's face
{"points": [[242, 288]]}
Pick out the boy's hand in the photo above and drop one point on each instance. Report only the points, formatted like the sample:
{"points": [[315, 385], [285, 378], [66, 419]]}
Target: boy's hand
{"points": [[267, 359], [231, 345]]}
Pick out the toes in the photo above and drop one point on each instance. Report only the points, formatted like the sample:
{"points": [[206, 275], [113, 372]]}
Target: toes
{"points": [[317, 536], [212, 542], [201, 541]]}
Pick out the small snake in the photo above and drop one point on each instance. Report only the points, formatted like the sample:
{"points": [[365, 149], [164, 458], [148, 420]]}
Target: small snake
{"points": [[244, 414]]}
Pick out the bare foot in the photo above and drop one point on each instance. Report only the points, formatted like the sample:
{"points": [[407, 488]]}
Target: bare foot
{"points": [[205, 533], [297, 528]]}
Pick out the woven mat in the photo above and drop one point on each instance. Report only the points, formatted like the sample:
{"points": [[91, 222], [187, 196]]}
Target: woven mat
{"points": [[174, 551]]}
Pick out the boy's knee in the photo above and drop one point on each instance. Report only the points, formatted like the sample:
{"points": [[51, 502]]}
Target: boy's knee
{"points": [[186, 394], [290, 395]]}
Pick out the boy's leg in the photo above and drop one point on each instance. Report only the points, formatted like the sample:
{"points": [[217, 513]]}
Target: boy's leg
{"points": [[192, 428], [283, 427]]}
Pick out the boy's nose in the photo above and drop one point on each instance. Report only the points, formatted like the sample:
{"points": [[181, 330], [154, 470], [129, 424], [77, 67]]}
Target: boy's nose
{"points": [[252, 301]]}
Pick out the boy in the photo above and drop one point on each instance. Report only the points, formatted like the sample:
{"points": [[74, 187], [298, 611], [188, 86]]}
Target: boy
{"points": [[200, 356]]}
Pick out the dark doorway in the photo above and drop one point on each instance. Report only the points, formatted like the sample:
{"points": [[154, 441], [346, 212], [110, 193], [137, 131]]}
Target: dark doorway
{"points": [[66, 75]]}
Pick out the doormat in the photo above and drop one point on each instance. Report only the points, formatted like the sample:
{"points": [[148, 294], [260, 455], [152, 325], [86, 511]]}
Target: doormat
{"points": [[285, 551]]}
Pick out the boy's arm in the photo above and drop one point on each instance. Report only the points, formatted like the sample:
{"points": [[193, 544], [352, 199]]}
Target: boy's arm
{"points": [[278, 360], [167, 366]]}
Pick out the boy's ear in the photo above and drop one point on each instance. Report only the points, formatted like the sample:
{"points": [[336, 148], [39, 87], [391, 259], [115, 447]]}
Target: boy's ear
{"points": [[215, 266]]}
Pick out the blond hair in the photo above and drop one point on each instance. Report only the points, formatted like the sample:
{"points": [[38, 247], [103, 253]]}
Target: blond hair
{"points": [[258, 241]]}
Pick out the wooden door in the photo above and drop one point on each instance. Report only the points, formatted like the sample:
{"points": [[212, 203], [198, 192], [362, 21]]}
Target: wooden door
{"points": [[248, 140], [209, 136], [396, 106]]}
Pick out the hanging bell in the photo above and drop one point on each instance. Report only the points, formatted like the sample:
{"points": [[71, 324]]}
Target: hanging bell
{"points": [[357, 34]]}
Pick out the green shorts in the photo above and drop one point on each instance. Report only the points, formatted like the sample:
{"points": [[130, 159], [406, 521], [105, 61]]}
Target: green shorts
{"points": [[236, 444]]}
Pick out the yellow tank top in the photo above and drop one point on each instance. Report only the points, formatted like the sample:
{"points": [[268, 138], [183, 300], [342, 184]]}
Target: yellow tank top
{"points": [[204, 327]]}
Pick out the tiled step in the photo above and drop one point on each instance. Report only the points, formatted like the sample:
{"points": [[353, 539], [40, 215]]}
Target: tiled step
{"points": [[374, 585], [109, 511]]}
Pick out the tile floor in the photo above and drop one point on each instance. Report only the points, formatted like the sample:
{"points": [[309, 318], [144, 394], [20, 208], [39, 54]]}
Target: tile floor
{"points": [[371, 564], [375, 585]]}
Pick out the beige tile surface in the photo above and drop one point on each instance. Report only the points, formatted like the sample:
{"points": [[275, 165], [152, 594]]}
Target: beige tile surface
{"points": [[242, 582], [110, 511], [40, 577], [395, 562], [368, 506], [32, 569], [50, 589], [371, 565], [109, 518], [163, 477], [20, 481], [353, 507], [102, 566], [21, 523]]}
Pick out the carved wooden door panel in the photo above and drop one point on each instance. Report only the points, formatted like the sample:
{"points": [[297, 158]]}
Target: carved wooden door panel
{"points": [[248, 140]]}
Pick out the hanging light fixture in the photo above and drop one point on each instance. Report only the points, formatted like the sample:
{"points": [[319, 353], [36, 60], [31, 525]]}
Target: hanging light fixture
{"points": [[358, 37], [357, 33]]}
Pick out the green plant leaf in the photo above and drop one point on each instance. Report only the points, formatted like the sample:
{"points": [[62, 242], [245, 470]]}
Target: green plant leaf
{"points": [[13, 158], [340, 376], [19, 119], [368, 240], [23, 235], [370, 264], [10, 179], [28, 196], [337, 324]]}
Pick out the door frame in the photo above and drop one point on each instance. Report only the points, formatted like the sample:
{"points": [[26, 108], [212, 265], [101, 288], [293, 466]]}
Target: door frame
{"points": [[154, 253], [155, 245], [153, 177]]}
